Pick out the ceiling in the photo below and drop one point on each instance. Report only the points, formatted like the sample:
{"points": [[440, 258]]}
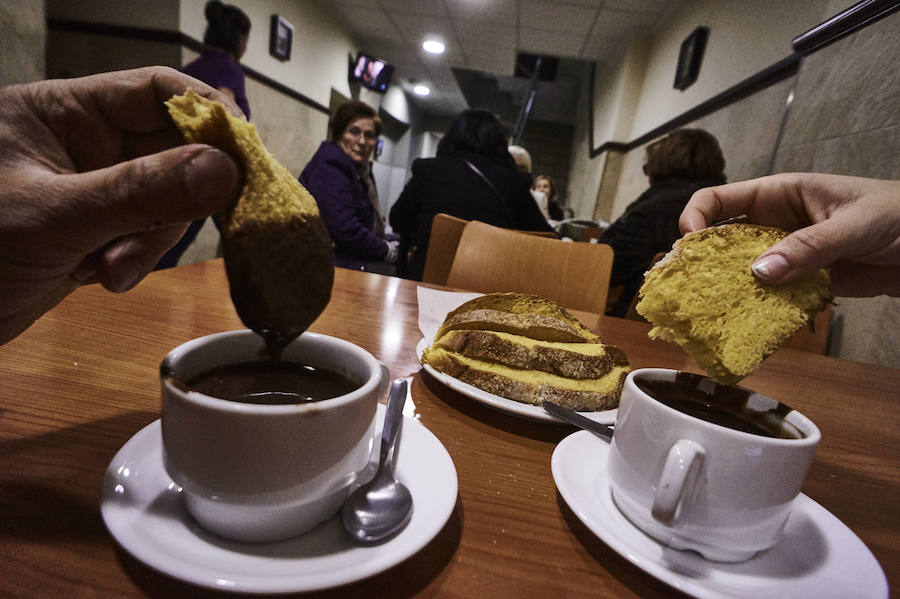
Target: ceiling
{"points": [[483, 38]]}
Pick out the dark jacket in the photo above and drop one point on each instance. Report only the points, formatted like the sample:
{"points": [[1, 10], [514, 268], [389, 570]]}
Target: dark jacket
{"points": [[333, 180], [648, 226], [446, 184]]}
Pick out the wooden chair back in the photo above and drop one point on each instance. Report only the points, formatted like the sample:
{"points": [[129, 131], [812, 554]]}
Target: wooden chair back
{"points": [[592, 232], [445, 233], [491, 259]]}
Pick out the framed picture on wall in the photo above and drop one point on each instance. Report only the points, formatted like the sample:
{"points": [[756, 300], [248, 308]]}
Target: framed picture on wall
{"points": [[690, 57], [281, 38]]}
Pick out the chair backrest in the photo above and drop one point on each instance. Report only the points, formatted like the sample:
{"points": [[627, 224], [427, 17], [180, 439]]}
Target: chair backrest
{"points": [[445, 233], [491, 259], [592, 232]]}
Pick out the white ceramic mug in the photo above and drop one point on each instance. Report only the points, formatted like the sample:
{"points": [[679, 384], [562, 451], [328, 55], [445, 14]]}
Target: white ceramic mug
{"points": [[696, 485], [262, 473]]}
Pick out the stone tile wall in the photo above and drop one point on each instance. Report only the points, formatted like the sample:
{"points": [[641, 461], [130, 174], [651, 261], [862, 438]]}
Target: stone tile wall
{"points": [[845, 119]]}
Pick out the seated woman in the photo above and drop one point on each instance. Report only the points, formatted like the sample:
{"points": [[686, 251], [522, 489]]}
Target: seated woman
{"points": [[678, 165], [473, 177], [544, 183], [339, 177]]}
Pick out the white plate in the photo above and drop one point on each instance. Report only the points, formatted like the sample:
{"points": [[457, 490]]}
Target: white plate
{"points": [[509, 406], [818, 556], [142, 509]]}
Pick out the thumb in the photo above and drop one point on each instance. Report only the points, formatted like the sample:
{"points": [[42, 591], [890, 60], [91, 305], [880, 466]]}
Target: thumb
{"points": [[173, 186], [803, 252]]}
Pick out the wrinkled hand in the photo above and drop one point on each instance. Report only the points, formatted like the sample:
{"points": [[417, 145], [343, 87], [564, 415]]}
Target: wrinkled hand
{"points": [[95, 185], [850, 224]]}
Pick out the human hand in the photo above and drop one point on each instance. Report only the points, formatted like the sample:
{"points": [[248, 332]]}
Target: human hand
{"points": [[96, 184], [850, 224], [393, 252]]}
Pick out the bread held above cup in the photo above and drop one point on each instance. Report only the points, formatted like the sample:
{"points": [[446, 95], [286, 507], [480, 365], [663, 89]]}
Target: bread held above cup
{"points": [[704, 297]]}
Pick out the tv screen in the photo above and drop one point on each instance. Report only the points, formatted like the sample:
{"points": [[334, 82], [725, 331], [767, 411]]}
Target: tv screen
{"points": [[372, 73]]}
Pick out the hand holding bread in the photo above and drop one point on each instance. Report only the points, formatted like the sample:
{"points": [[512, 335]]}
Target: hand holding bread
{"points": [[849, 224]]}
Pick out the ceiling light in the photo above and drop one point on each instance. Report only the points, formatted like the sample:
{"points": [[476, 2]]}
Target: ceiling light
{"points": [[421, 90], [433, 46]]}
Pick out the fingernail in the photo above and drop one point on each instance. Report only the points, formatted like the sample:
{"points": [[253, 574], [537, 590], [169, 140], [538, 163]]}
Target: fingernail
{"points": [[86, 272], [771, 267], [125, 276], [210, 173]]}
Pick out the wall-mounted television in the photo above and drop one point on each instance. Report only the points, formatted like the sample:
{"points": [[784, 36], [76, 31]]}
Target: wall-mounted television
{"points": [[372, 73]]}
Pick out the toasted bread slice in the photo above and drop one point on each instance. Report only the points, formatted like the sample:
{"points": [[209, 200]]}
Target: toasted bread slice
{"points": [[571, 360], [704, 297], [517, 313], [278, 253], [531, 386]]}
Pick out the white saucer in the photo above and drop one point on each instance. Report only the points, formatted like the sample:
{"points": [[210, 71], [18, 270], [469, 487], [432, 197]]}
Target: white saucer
{"points": [[142, 509], [818, 556], [516, 408]]}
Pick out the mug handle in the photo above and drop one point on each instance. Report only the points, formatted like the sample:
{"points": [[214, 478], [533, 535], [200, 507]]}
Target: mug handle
{"points": [[679, 474]]}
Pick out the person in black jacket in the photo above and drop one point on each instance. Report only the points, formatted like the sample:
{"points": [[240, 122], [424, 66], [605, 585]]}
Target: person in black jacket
{"points": [[473, 177], [678, 165]]}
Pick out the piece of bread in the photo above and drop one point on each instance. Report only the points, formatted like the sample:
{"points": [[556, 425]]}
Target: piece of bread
{"points": [[704, 297], [570, 360], [531, 386], [278, 254], [528, 349], [518, 313]]}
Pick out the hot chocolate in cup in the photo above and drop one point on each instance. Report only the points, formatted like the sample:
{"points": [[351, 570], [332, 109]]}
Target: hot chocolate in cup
{"points": [[264, 462], [707, 467]]}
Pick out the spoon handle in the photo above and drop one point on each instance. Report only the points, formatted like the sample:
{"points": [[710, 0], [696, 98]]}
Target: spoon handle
{"points": [[578, 420], [393, 416]]}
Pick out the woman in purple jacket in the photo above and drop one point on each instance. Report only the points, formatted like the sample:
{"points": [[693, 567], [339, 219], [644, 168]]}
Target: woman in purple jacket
{"points": [[340, 179]]}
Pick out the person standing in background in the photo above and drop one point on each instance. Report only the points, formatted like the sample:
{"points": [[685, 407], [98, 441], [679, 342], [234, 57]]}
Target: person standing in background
{"points": [[339, 177], [227, 32], [225, 40]]}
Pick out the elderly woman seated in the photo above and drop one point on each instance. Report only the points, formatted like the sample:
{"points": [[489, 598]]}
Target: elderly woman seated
{"points": [[339, 177]]}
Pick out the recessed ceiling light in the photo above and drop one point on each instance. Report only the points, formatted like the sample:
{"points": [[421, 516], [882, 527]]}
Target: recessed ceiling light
{"points": [[421, 90], [433, 46]]}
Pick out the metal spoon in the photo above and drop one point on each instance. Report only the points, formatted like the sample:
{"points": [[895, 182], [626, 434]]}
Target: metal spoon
{"points": [[573, 417], [382, 506]]}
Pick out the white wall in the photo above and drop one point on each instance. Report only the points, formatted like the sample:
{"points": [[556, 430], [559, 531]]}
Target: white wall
{"points": [[634, 94], [744, 38]]}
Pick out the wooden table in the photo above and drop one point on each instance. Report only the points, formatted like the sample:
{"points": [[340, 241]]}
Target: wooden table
{"points": [[81, 381]]}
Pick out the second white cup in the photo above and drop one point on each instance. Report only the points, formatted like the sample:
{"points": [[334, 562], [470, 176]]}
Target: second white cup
{"points": [[716, 488]]}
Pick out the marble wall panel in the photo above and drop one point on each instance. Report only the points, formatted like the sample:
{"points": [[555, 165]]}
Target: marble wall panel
{"points": [[845, 119]]}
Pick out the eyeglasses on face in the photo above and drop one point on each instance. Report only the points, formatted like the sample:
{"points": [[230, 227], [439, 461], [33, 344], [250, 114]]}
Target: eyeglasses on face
{"points": [[356, 132]]}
